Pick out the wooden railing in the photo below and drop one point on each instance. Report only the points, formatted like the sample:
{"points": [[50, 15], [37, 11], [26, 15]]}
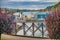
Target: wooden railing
{"points": [[33, 30]]}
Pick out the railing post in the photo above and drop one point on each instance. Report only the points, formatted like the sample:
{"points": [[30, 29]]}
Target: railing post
{"points": [[42, 31], [24, 28], [15, 29], [33, 29]]}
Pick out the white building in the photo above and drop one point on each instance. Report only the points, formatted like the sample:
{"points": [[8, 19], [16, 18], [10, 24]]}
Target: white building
{"points": [[19, 16]]}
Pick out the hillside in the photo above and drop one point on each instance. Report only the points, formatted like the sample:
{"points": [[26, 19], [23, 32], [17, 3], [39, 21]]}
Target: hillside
{"points": [[54, 6]]}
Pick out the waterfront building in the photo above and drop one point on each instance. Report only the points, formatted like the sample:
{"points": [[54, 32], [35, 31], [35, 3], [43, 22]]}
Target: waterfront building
{"points": [[31, 16], [40, 15], [19, 16]]}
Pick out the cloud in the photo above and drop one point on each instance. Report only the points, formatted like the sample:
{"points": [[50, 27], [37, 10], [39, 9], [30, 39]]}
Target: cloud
{"points": [[24, 0], [26, 7], [51, 0], [27, 4], [31, 0], [30, 3], [37, 0]]}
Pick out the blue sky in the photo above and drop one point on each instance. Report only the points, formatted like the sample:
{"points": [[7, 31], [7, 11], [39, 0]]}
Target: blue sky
{"points": [[27, 4]]}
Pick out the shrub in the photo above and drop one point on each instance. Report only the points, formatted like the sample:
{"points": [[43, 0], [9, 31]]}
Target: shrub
{"points": [[53, 24]]}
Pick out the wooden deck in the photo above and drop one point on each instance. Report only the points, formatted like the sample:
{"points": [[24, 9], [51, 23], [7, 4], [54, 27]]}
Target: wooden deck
{"points": [[9, 37]]}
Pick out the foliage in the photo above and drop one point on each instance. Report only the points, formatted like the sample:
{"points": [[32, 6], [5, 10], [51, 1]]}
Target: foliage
{"points": [[53, 24], [54, 6], [6, 24]]}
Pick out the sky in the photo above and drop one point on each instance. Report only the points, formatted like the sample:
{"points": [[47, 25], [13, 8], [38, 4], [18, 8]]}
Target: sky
{"points": [[27, 4]]}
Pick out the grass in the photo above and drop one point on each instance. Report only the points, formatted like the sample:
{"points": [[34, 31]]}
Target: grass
{"points": [[3, 39]]}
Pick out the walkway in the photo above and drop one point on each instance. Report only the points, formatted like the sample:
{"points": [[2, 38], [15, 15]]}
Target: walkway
{"points": [[9, 37]]}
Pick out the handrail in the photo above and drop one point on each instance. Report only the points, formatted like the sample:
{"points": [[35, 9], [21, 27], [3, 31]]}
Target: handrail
{"points": [[33, 30]]}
